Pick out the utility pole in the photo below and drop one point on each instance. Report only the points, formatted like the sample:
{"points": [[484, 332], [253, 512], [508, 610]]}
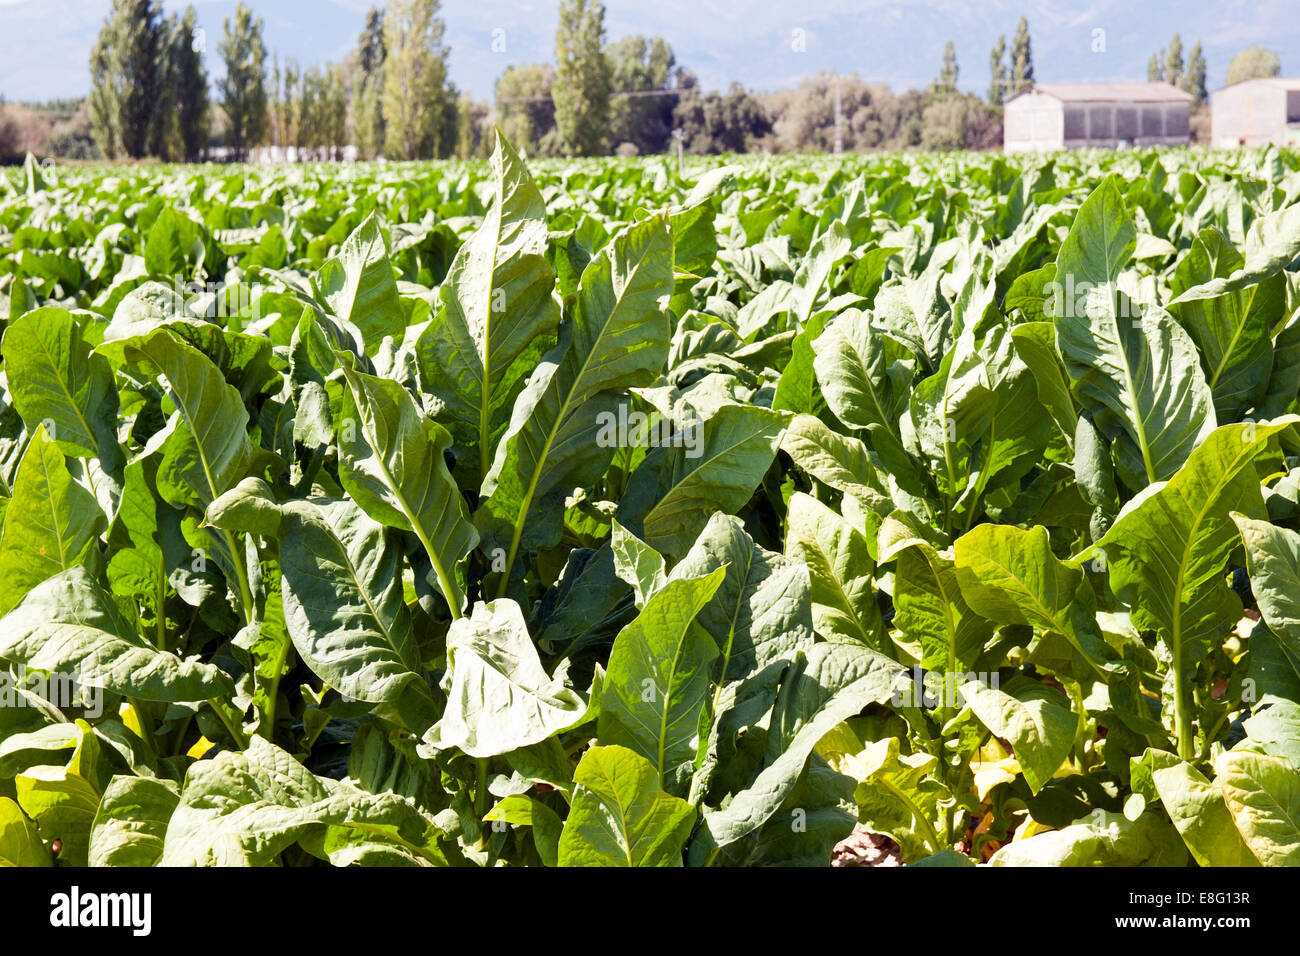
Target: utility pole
{"points": [[680, 134], [839, 117]]}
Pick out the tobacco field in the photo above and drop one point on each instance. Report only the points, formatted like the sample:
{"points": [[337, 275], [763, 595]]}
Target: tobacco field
{"points": [[906, 510]]}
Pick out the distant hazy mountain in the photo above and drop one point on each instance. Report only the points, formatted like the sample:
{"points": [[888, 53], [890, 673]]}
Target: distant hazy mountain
{"points": [[47, 42]]}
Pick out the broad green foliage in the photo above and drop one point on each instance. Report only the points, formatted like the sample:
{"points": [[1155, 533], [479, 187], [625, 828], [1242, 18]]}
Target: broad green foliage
{"points": [[597, 514]]}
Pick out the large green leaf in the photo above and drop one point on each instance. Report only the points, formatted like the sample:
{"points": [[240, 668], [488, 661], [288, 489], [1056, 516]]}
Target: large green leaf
{"points": [[1263, 796], [1017, 432], [816, 815], [1197, 809], [148, 553], [1035, 343], [499, 698], [1168, 550], [1034, 718], [56, 380], [761, 611], [839, 461], [658, 678], [620, 816], [640, 565], [132, 821], [676, 489], [1010, 576], [618, 339], [930, 607], [951, 413], [810, 285], [1271, 244], [50, 524], [172, 240], [841, 571], [830, 683], [391, 462], [205, 447], [63, 799], [343, 605], [1231, 331], [497, 314], [1134, 367], [20, 844], [1273, 560], [360, 287], [760, 616], [851, 362], [519, 810], [244, 809], [70, 623]]}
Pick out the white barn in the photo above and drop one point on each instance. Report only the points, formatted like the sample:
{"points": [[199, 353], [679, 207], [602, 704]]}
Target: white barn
{"points": [[1050, 116], [1255, 113]]}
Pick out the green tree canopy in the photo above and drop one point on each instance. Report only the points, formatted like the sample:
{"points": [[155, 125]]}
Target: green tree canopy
{"points": [[243, 88], [998, 71], [1254, 61], [582, 78], [1022, 59], [125, 67], [947, 81], [640, 65], [416, 99]]}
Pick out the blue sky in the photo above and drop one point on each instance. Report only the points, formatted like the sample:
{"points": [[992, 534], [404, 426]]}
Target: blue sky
{"points": [[895, 41]]}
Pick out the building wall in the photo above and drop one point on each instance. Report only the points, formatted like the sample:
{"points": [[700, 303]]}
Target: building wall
{"points": [[1109, 125], [1033, 123], [1250, 114], [1039, 123]]}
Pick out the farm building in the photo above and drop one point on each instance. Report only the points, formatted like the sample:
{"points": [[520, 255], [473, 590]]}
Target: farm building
{"points": [[1256, 113], [1050, 116]]}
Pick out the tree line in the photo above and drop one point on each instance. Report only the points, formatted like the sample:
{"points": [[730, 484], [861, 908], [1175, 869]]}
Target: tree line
{"points": [[392, 95], [150, 90], [629, 96]]}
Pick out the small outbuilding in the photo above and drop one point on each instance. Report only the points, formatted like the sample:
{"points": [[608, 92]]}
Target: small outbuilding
{"points": [[1255, 113], [1050, 116]]}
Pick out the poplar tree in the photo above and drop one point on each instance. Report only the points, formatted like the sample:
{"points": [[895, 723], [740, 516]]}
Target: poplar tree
{"points": [[125, 66], [415, 99], [1022, 59], [368, 87], [582, 78], [243, 89], [193, 109], [998, 71]]}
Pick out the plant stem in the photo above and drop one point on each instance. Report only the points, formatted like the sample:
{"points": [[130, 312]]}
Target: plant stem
{"points": [[1182, 717], [931, 835], [510, 556], [1076, 696], [444, 582], [273, 692], [241, 575], [480, 787], [233, 729], [160, 624], [481, 799], [146, 724], [1212, 732], [179, 734]]}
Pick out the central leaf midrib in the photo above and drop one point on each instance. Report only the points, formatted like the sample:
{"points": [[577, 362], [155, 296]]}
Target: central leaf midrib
{"points": [[563, 412]]}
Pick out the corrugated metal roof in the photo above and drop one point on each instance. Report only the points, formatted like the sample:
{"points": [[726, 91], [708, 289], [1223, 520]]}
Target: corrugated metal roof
{"points": [[1111, 92]]}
